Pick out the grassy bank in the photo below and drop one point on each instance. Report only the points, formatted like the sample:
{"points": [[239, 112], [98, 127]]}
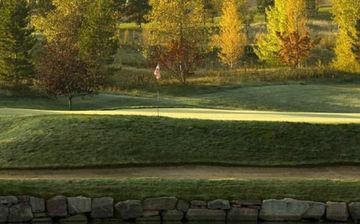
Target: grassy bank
{"points": [[115, 141], [316, 190], [298, 97]]}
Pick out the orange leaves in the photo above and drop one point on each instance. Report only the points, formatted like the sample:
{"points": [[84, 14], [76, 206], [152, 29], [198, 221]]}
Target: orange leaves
{"points": [[294, 47]]}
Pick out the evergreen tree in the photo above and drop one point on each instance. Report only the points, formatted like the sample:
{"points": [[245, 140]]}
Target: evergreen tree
{"points": [[285, 17], [97, 37], [136, 10], [40, 7], [176, 36], [16, 42], [232, 40], [356, 45], [346, 14]]}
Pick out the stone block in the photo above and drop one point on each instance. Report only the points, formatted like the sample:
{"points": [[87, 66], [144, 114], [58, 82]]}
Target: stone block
{"points": [[243, 215], [198, 204], [160, 204], [20, 213], [219, 204], [130, 209], [183, 206], [204, 215], [354, 209], [79, 205], [102, 208], [4, 213], [283, 210], [37, 204], [337, 211], [57, 206], [173, 216]]}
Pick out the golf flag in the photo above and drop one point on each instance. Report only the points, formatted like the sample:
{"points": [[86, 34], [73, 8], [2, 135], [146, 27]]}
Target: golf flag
{"points": [[157, 73]]}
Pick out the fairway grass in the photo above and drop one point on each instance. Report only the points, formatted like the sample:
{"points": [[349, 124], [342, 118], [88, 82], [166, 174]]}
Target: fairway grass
{"points": [[314, 190], [326, 98], [66, 141]]}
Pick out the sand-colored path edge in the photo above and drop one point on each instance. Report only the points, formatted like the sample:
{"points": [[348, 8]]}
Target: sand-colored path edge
{"points": [[191, 172]]}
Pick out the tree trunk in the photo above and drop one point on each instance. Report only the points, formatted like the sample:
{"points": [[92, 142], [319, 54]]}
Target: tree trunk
{"points": [[70, 102]]}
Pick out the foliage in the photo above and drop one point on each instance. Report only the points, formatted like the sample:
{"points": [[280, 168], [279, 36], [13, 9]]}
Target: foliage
{"points": [[40, 7], [173, 27], [356, 45], [16, 43], [294, 48], [232, 40], [97, 42], [62, 73], [211, 9], [263, 5], [86, 29], [346, 14], [136, 10], [285, 17]]}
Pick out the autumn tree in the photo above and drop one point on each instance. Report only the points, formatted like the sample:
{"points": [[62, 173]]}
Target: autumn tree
{"points": [[356, 45], [61, 72], [287, 18], [346, 15], [264, 5], [97, 43], [136, 10], [16, 42], [40, 7], [175, 35], [231, 40], [86, 28]]}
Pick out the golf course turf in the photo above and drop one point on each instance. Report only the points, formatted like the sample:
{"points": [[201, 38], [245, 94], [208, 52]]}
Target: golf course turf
{"points": [[69, 141]]}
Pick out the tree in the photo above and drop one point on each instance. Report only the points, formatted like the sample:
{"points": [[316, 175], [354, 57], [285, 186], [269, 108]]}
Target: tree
{"points": [[16, 43], [136, 10], [97, 41], [86, 29], [232, 40], [294, 48], [61, 72], [356, 45], [285, 17], [176, 27], [346, 15], [263, 6], [40, 7]]}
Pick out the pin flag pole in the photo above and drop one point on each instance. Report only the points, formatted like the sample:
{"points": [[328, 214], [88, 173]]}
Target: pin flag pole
{"points": [[157, 75]]}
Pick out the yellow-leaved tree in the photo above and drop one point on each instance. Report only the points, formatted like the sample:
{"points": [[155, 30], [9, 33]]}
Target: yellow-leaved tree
{"points": [[286, 18], [176, 36], [231, 40], [346, 15]]}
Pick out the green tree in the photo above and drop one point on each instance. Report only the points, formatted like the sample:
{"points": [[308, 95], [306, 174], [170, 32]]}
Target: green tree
{"points": [[16, 42], [285, 17], [175, 35], [136, 10], [232, 40], [346, 14], [97, 41]]}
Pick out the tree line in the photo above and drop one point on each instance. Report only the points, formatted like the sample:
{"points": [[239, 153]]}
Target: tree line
{"points": [[67, 47]]}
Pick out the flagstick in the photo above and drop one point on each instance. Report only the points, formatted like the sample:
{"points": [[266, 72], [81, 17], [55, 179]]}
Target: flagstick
{"points": [[158, 102]]}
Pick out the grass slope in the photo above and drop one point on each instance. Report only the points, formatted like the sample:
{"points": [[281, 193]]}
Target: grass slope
{"points": [[315, 190], [344, 98], [106, 141]]}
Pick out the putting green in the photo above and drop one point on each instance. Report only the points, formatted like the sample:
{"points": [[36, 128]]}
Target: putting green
{"points": [[207, 114]]}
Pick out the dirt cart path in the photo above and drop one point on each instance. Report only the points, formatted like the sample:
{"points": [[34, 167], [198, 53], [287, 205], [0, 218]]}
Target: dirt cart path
{"points": [[191, 172]]}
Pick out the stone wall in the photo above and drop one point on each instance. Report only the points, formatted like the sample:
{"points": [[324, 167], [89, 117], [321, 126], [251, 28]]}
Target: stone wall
{"points": [[26, 209]]}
